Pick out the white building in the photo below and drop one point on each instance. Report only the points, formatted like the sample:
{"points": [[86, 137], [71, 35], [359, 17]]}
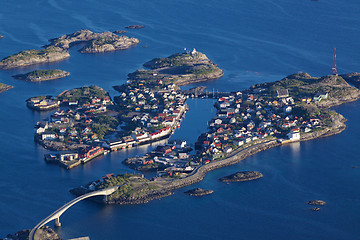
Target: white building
{"points": [[294, 134]]}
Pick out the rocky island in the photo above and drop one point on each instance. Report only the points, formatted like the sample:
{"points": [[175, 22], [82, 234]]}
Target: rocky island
{"points": [[58, 48], [198, 192], [267, 115], [135, 26], [42, 75], [4, 87], [30, 57], [317, 202], [242, 176]]}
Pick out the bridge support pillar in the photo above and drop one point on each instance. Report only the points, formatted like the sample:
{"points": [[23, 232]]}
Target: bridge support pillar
{"points": [[57, 222]]}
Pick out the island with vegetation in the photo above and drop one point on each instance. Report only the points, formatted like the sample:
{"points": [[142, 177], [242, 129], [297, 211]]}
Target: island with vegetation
{"points": [[30, 57], [266, 115], [58, 49], [42, 75], [242, 176], [4, 87], [176, 70]]}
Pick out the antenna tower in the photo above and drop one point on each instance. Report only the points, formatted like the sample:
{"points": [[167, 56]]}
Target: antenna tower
{"points": [[334, 69]]}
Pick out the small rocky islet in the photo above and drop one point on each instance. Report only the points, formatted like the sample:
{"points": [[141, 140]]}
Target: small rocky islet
{"points": [[135, 27], [42, 75], [4, 87], [58, 49], [198, 192], [316, 202], [242, 176]]}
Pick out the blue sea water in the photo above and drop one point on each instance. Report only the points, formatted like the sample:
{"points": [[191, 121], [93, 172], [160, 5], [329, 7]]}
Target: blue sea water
{"points": [[253, 41]]}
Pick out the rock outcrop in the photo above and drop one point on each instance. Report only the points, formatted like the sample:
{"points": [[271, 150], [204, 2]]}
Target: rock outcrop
{"points": [[60, 146], [109, 43]]}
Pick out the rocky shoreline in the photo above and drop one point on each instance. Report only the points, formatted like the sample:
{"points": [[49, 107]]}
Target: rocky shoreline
{"points": [[44, 233]]}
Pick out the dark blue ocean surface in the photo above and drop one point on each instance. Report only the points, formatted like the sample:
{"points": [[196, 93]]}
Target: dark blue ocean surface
{"points": [[253, 41]]}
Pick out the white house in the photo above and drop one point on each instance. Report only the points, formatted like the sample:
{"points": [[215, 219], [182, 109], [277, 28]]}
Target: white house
{"points": [[294, 134]]}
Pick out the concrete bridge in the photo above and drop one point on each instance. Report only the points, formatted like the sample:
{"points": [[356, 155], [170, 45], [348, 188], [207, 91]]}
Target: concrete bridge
{"points": [[56, 215]]}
